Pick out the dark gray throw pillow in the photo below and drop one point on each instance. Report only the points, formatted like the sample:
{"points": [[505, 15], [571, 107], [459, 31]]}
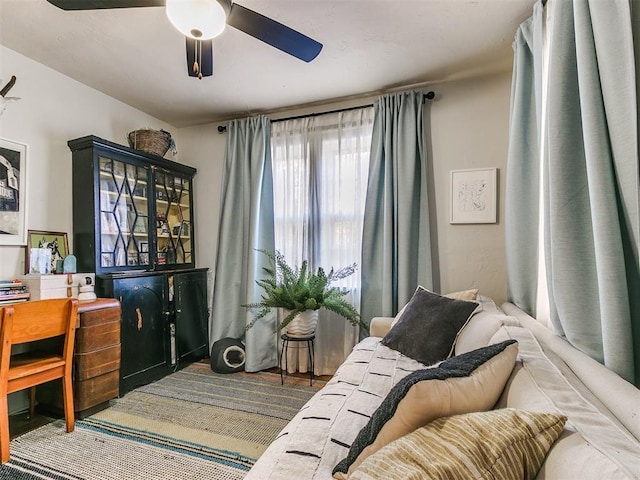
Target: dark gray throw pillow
{"points": [[427, 329]]}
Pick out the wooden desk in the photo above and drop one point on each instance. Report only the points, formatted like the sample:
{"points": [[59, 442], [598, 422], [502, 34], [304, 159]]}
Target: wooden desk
{"points": [[96, 374]]}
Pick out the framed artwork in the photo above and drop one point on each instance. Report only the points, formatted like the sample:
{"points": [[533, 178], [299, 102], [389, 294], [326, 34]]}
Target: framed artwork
{"points": [[56, 242], [13, 195], [474, 195]]}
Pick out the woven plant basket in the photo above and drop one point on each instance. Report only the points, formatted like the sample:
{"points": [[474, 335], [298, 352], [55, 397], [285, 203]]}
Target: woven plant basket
{"points": [[156, 142]]}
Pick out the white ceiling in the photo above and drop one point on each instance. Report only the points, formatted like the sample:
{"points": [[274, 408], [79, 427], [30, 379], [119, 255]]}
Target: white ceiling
{"points": [[370, 46]]}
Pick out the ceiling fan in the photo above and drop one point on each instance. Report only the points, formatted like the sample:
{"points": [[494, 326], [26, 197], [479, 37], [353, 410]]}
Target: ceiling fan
{"points": [[201, 20]]}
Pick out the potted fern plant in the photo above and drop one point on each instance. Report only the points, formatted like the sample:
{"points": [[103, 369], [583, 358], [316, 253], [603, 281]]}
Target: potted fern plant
{"points": [[301, 292]]}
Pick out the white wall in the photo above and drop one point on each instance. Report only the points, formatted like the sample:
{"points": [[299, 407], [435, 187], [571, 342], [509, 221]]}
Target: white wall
{"points": [[54, 109], [469, 129], [467, 124], [204, 147]]}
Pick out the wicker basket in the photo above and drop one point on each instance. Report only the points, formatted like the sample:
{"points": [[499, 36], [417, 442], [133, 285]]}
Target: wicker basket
{"points": [[156, 142]]}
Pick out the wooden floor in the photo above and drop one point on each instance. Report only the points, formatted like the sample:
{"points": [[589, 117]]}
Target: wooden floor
{"points": [[324, 378], [20, 423]]}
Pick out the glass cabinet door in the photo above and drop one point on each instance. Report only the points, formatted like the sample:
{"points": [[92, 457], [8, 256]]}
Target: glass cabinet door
{"points": [[124, 214], [173, 219]]}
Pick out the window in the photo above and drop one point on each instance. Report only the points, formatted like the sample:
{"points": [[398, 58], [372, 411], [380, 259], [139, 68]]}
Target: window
{"points": [[320, 170]]}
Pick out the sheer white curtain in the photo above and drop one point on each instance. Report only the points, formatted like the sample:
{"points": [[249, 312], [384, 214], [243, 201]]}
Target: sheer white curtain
{"points": [[320, 167]]}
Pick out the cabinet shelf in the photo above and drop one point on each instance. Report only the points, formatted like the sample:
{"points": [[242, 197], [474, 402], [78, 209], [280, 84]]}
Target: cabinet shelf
{"points": [[123, 233], [172, 205], [111, 193], [107, 174]]}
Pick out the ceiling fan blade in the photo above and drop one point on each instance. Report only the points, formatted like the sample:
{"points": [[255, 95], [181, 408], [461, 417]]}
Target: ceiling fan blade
{"points": [[274, 33], [203, 53], [100, 4]]}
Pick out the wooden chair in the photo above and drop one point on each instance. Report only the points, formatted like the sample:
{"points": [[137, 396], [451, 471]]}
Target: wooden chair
{"points": [[30, 322]]}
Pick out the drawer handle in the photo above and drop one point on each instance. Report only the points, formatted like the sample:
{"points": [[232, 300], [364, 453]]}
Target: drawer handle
{"points": [[139, 314]]}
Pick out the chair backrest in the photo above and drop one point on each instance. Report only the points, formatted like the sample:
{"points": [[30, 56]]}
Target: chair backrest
{"points": [[38, 320]]}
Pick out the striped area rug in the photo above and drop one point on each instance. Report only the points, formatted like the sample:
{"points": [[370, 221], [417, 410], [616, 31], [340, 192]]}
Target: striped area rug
{"points": [[192, 424]]}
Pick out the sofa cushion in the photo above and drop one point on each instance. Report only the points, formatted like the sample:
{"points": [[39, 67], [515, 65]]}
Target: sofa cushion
{"points": [[469, 295], [482, 325], [428, 327], [467, 383], [500, 444], [380, 326]]}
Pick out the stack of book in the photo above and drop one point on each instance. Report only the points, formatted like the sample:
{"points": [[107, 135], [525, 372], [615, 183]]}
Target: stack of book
{"points": [[13, 291]]}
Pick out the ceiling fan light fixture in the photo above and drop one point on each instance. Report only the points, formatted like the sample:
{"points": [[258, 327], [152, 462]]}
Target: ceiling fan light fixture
{"points": [[197, 19]]}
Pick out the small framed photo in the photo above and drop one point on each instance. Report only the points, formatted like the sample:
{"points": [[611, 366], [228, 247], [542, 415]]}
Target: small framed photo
{"points": [[106, 260], [140, 191], [106, 165], [474, 195], [56, 242], [132, 259], [118, 169], [13, 194]]}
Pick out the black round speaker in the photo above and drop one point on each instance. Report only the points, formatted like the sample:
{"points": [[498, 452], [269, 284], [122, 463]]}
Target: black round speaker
{"points": [[227, 356]]}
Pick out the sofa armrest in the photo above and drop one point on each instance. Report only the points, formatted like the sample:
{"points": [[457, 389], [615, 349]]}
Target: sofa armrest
{"points": [[380, 326]]}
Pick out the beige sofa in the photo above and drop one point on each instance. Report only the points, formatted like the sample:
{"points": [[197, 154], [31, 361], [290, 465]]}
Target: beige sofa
{"points": [[600, 440]]}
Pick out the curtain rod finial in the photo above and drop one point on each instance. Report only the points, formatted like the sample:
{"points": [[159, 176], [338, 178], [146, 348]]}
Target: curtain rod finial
{"points": [[430, 95], [222, 128]]}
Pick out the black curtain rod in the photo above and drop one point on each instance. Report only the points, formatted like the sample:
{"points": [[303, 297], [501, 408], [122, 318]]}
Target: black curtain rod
{"points": [[223, 128]]}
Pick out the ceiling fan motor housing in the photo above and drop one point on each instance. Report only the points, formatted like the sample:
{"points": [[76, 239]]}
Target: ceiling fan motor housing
{"points": [[198, 19]]}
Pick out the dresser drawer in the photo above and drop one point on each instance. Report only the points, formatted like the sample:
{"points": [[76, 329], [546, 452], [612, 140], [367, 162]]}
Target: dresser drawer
{"points": [[96, 363], [99, 312], [99, 325], [89, 339], [96, 390]]}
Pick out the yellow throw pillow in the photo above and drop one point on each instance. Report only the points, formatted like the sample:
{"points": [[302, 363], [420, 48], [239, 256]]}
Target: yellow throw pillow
{"points": [[500, 445]]}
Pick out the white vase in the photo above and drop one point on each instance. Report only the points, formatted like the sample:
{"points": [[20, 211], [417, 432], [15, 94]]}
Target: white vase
{"points": [[303, 325]]}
